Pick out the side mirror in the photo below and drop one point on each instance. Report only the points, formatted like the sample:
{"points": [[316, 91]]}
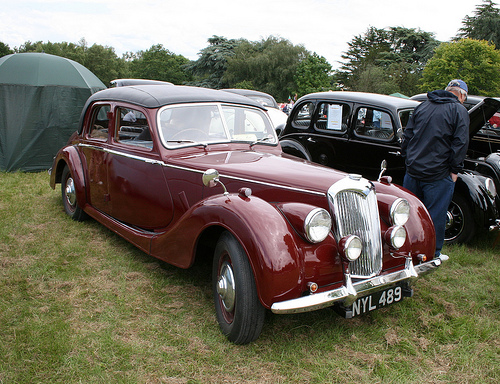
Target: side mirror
{"points": [[211, 179], [383, 168]]}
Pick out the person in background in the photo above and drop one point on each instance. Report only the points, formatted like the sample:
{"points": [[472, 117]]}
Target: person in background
{"points": [[434, 146]]}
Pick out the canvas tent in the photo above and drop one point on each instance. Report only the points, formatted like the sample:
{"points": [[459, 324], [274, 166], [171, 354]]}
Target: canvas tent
{"points": [[41, 99]]}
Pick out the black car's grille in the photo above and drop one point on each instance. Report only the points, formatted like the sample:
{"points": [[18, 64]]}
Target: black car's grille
{"points": [[355, 211]]}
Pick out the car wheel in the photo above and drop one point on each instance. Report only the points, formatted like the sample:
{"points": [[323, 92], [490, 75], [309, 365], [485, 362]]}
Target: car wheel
{"points": [[68, 192], [459, 222], [239, 311]]}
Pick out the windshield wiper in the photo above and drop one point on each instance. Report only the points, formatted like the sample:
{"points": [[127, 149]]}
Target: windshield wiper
{"points": [[267, 138], [204, 145]]}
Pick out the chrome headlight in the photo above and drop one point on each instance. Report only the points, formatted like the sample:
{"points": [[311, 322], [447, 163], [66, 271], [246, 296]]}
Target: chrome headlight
{"points": [[396, 236], [400, 212], [317, 225], [490, 187], [351, 246]]}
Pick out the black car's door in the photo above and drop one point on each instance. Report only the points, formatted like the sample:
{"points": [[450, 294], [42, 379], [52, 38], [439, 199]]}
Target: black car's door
{"points": [[374, 136]]}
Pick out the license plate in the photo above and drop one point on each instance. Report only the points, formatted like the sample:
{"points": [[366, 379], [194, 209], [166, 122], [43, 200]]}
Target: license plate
{"points": [[374, 301]]}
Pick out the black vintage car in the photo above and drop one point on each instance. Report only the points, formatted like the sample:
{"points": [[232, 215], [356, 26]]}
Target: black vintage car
{"points": [[355, 132]]}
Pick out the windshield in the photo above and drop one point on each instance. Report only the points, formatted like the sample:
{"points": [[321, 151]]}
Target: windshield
{"points": [[195, 124]]}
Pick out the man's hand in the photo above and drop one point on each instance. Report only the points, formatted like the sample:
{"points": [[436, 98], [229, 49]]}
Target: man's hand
{"points": [[454, 177]]}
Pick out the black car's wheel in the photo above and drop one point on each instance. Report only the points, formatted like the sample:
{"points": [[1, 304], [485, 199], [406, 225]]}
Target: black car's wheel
{"points": [[239, 311], [68, 192], [460, 222]]}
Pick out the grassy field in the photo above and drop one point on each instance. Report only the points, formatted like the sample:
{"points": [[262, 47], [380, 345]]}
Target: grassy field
{"points": [[80, 305]]}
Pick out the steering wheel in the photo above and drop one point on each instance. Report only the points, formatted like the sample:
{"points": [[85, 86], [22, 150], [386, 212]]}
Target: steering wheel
{"points": [[194, 134]]}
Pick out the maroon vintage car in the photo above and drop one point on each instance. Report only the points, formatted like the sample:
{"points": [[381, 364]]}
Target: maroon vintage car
{"points": [[185, 173]]}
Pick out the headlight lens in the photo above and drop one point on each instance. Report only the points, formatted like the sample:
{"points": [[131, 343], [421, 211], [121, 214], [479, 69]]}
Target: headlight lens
{"points": [[400, 212], [317, 225], [352, 247], [397, 237], [490, 188]]}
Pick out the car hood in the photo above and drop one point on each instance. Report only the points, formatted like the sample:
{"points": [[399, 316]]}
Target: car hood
{"points": [[481, 113], [264, 168]]}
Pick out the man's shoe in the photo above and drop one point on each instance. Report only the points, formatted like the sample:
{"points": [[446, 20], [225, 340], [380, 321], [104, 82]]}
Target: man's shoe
{"points": [[443, 257]]}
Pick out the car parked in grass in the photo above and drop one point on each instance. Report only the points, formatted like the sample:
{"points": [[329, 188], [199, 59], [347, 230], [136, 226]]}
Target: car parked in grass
{"points": [[196, 173], [355, 132]]}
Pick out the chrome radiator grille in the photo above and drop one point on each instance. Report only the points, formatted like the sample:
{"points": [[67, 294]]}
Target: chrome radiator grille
{"points": [[355, 212]]}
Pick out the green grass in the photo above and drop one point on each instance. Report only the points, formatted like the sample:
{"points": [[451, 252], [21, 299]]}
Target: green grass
{"points": [[80, 305]]}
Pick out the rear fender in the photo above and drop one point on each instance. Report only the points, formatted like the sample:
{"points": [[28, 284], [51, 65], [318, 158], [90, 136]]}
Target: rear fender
{"points": [[294, 148], [69, 156]]}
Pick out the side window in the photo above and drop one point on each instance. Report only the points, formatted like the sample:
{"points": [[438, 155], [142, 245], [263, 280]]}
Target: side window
{"points": [[133, 128], [374, 123], [333, 117], [303, 116], [100, 123]]}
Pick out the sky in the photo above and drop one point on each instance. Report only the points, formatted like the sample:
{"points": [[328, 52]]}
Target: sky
{"points": [[184, 26]]}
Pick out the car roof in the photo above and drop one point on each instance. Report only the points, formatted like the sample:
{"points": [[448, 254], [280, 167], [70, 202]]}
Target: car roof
{"points": [[386, 101], [127, 82], [155, 96], [251, 92], [469, 103]]}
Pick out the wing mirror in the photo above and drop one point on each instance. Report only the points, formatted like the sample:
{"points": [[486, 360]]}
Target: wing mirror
{"points": [[211, 179], [383, 168]]}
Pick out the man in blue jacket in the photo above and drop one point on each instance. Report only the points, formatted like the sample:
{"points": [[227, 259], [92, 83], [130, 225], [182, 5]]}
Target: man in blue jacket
{"points": [[434, 146]]}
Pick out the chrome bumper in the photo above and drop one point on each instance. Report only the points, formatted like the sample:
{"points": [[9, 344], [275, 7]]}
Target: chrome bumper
{"points": [[349, 292]]}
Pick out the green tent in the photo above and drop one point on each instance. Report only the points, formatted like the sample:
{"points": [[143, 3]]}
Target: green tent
{"points": [[41, 99], [397, 94]]}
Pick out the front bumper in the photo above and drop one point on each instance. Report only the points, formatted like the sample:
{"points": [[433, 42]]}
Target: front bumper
{"points": [[350, 291]]}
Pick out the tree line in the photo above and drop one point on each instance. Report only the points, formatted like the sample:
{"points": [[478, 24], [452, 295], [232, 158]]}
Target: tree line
{"points": [[389, 60]]}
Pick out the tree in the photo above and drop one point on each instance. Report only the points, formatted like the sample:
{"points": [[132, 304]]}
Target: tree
{"points": [[103, 62], [270, 65], [100, 60], [484, 25], [374, 79], [400, 52], [364, 50], [158, 63], [209, 69], [4, 49], [313, 75], [476, 62]]}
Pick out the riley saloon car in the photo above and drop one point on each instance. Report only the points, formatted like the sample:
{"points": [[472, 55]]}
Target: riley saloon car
{"points": [[185, 173], [356, 131]]}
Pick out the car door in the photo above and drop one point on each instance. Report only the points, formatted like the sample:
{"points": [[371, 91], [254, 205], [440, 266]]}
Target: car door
{"points": [[95, 151], [138, 191], [374, 137]]}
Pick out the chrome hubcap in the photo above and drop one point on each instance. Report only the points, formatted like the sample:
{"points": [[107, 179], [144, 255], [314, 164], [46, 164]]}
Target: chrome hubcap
{"points": [[226, 287], [449, 220], [70, 191]]}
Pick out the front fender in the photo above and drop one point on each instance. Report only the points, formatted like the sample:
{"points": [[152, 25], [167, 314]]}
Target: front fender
{"points": [[275, 251], [471, 186]]}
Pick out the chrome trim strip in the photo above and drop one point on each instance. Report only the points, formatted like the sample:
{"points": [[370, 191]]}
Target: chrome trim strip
{"points": [[163, 164], [353, 290]]}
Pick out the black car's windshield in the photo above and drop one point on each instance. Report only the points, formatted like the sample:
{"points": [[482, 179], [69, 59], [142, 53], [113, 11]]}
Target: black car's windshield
{"points": [[192, 124]]}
